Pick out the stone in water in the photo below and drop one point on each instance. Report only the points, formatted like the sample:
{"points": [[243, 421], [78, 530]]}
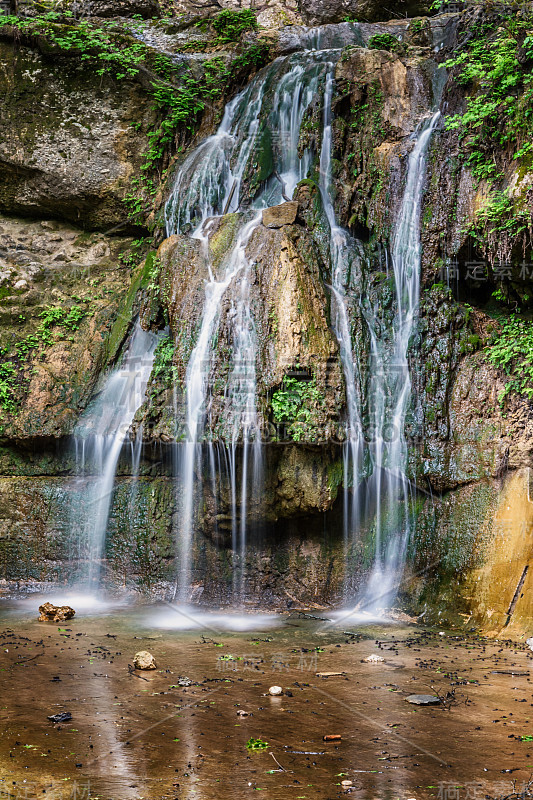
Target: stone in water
{"points": [[51, 613], [423, 699], [278, 216], [144, 660]]}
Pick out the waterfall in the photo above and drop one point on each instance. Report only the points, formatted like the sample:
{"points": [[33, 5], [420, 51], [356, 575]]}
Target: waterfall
{"points": [[99, 438], [209, 183], [343, 251], [196, 392], [214, 180], [387, 489], [390, 385]]}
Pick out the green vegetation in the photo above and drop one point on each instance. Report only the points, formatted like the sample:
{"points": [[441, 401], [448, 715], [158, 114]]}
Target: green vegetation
{"points": [[256, 744], [230, 25], [418, 25], [164, 369], [13, 379], [111, 52], [384, 41], [495, 66], [8, 384], [296, 404], [499, 217], [496, 62], [511, 349]]}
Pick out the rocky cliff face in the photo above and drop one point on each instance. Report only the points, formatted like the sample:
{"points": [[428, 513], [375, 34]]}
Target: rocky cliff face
{"points": [[78, 139]]}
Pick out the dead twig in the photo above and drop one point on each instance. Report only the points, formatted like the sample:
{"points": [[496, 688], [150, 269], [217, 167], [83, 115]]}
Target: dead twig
{"points": [[132, 671], [282, 769]]}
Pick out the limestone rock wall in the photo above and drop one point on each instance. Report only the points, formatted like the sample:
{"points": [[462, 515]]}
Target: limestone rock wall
{"points": [[68, 148]]}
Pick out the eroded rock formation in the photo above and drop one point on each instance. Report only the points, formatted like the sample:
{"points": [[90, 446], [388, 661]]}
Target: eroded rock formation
{"points": [[72, 279]]}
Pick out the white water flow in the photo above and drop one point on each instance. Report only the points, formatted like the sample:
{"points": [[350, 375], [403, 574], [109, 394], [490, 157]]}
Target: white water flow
{"points": [[390, 388], [209, 183], [342, 252], [99, 438], [242, 387], [387, 489], [196, 380]]}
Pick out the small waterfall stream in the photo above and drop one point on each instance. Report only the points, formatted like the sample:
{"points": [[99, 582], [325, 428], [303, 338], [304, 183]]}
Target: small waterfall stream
{"points": [[387, 489], [196, 392], [99, 438], [391, 386], [343, 251]]}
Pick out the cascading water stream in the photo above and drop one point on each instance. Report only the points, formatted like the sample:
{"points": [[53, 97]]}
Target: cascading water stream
{"points": [[343, 251], [196, 392], [209, 183], [99, 438], [391, 386]]}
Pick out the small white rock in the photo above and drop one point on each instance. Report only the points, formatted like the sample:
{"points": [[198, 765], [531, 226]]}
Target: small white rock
{"points": [[346, 783], [373, 659], [22, 284], [529, 643], [275, 691]]}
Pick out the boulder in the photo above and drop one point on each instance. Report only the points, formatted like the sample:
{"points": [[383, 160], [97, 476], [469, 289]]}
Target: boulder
{"points": [[51, 613], [117, 8], [68, 148], [278, 216], [321, 12], [144, 660]]}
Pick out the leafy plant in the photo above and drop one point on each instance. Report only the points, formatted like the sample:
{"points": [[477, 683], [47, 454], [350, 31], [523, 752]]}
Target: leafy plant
{"points": [[384, 41], [114, 53], [499, 111], [8, 374], [231, 24], [12, 378], [512, 350], [296, 403], [497, 225], [164, 368], [256, 744]]}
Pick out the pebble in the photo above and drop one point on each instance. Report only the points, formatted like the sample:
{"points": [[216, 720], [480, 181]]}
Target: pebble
{"points": [[423, 699], [144, 660]]}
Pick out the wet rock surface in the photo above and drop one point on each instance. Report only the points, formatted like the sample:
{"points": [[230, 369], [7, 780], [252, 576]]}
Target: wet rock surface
{"points": [[51, 269], [423, 700], [51, 613], [278, 216], [319, 12]]}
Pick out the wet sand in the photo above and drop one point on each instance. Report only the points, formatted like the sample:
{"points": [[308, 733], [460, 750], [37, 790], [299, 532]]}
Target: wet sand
{"points": [[143, 735]]}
